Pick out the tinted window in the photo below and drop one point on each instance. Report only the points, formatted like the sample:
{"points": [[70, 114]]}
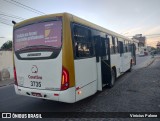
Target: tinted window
{"points": [[45, 33], [116, 45], [41, 40], [82, 42], [112, 51], [126, 46], [113, 45]]}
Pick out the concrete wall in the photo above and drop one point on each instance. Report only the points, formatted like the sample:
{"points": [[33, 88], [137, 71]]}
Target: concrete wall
{"points": [[6, 62]]}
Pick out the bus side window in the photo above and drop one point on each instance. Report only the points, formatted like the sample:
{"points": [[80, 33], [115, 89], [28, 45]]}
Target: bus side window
{"points": [[103, 46], [130, 47], [82, 42], [113, 43], [121, 49], [116, 45], [118, 50], [124, 49], [126, 46], [107, 45]]}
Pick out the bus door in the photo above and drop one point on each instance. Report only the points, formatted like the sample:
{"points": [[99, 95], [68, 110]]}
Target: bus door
{"points": [[105, 61], [97, 42], [103, 50]]}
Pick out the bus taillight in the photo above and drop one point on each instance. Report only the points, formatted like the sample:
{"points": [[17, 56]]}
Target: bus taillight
{"points": [[65, 79], [15, 77]]}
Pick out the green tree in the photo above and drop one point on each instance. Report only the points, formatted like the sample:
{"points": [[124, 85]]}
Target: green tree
{"points": [[7, 45], [153, 48]]}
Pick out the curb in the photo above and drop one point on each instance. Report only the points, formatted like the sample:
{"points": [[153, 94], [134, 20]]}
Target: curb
{"points": [[149, 63], [6, 84], [3, 83], [145, 64]]}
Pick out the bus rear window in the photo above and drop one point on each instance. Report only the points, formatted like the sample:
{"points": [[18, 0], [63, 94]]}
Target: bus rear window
{"points": [[44, 34]]}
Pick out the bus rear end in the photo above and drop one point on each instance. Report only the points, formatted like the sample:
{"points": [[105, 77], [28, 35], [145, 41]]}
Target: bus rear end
{"points": [[38, 64]]}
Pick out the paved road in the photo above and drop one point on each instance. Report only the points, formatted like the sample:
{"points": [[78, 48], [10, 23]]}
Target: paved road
{"points": [[137, 91]]}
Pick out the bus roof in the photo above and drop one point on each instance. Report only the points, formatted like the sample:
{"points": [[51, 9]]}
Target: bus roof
{"points": [[74, 19], [97, 27], [32, 20]]}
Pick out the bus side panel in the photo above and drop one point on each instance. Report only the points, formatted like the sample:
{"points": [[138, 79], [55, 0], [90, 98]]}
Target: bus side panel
{"points": [[67, 95], [127, 60], [86, 91], [86, 77], [115, 61], [121, 67]]}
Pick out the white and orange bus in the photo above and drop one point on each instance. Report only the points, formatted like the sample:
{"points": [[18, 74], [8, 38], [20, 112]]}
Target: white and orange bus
{"points": [[64, 58]]}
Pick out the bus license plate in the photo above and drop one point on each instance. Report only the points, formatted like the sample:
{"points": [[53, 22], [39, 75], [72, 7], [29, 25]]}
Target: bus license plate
{"points": [[36, 94], [35, 84]]}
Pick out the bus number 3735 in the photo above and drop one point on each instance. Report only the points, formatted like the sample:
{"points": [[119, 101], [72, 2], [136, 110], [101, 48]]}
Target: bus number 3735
{"points": [[35, 84]]}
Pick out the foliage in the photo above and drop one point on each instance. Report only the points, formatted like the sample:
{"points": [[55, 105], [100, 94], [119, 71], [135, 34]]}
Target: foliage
{"points": [[153, 48], [7, 45]]}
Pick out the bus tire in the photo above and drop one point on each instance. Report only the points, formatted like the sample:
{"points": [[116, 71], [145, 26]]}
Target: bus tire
{"points": [[130, 69], [113, 78]]}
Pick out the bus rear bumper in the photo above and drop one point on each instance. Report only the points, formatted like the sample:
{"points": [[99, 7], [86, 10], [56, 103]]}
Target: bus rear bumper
{"points": [[67, 96]]}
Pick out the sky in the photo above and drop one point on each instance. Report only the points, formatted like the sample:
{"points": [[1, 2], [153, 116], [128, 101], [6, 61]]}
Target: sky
{"points": [[126, 17]]}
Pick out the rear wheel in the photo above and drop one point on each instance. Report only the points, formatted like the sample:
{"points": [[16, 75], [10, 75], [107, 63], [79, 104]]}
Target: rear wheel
{"points": [[113, 78], [130, 69]]}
